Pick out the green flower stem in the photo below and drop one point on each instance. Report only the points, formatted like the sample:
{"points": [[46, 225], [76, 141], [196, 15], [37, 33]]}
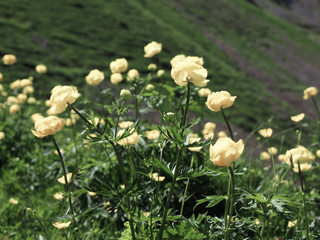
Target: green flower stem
{"points": [[304, 201], [44, 229], [74, 139], [300, 133], [231, 202], [226, 206], [185, 191], [318, 115], [116, 127], [276, 189], [273, 166], [228, 125], [144, 88], [66, 181], [164, 216]]}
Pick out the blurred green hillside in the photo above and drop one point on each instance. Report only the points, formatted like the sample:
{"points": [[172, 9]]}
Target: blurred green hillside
{"points": [[264, 60]]}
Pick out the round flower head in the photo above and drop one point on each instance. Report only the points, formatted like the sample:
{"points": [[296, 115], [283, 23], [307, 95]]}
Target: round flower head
{"points": [[61, 225], [1, 87], [318, 153], [152, 49], [273, 150], [309, 92], [299, 154], [31, 100], [9, 59], [63, 181], [12, 100], [132, 75], [222, 134], [298, 118], [1, 77], [119, 66], [209, 126], [13, 201], [116, 78], [25, 82], [160, 72], [196, 60], [218, 100], [47, 126], [41, 69], [16, 84], [14, 108], [2, 135], [58, 196], [303, 167], [225, 151], [124, 125], [266, 132], [177, 59], [21, 98], [95, 77], [185, 72], [55, 88], [156, 177], [265, 156], [125, 94], [27, 90], [152, 135], [130, 140], [150, 87], [204, 92], [281, 157], [60, 97], [152, 67], [92, 194], [292, 223]]}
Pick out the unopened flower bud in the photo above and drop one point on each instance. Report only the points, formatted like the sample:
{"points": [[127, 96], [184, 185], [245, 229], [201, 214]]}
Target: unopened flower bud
{"points": [[125, 94], [152, 67], [150, 88], [160, 73]]}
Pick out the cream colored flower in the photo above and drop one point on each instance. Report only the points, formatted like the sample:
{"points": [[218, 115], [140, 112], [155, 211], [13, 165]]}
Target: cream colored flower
{"points": [[160, 72], [265, 156], [156, 177], [225, 151], [96, 121], [1, 87], [31, 100], [303, 167], [193, 140], [299, 154], [153, 135], [318, 153], [193, 135], [209, 126], [292, 223], [60, 97], [119, 66], [61, 225], [146, 214], [204, 92], [50, 113], [58, 196], [298, 118], [152, 67], [70, 122], [132, 75], [95, 77], [62, 180], [281, 157], [209, 135], [196, 60], [257, 222], [2, 135], [309, 92], [9, 59], [150, 87], [48, 126], [14, 108], [266, 132], [36, 116], [4, 94], [92, 194], [56, 152], [16, 84], [12, 100], [222, 134], [1, 77], [177, 59], [109, 209], [130, 140], [41, 69], [25, 82], [218, 100], [124, 125], [273, 150], [55, 88], [13, 201], [185, 72], [152, 49], [21, 98], [125, 94], [116, 78], [27, 90]]}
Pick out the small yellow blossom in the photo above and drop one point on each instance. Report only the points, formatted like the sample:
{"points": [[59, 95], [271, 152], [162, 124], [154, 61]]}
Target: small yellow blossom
{"points": [[160, 72], [281, 157], [309, 92], [204, 92], [292, 223], [266, 132], [28, 89], [146, 214], [41, 69], [116, 78], [9, 59], [14, 108], [92, 194], [124, 125], [194, 149], [222, 134], [298, 118], [2, 135], [156, 177], [132, 75], [62, 180], [16, 84], [265, 156], [118, 66], [56, 152], [152, 49], [153, 135], [61, 225], [58, 196], [13, 201], [303, 167], [273, 150]]}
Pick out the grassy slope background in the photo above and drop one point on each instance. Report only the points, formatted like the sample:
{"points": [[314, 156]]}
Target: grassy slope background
{"points": [[241, 44]]}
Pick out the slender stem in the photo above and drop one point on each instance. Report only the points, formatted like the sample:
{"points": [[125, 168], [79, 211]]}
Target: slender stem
{"points": [[142, 90], [300, 133], [74, 139], [231, 201], [273, 166], [304, 201], [185, 191], [102, 102], [318, 115], [66, 181], [44, 229], [226, 121], [276, 189], [226, 209], [164, 216], [116, 127]]}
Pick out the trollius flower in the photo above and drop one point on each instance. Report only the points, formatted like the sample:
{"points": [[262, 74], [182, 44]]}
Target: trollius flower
{"points": [[47, 126], [218, 100]]}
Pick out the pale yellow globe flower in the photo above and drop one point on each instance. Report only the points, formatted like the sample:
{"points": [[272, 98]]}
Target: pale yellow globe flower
{"points": [[31, 100], [194, 149], [193, 135], [2, 135], [47, 126], [266, 132], [56, 152], [177, 59], [273, 150], [281, 157], [146, 214], [21, 98], [41, 69], [185, 72], [1, 87], [152, 49], [218, 100], [130, 140], [16, 84], [292, 223], [58, 196], [25, 82], [299, 154], [210, 126], [124, 125], [196, 60], [204, 92], [12, 100], [4, 94], [152, 67], [96, 121], [109, 209], [61, 225], [61, 97], [303, 167], [28, 90], [298, 118], [150, 87], [225, 151], [119, 66], [14, 108], [265, 156], [160, 72], [156, 177], [257, 221], [153, 135], [13, 201], [9, 59], [125, 94], [50, 113], [132, 75], [36, 116], [95, 77], [222, 134], [116, 78], [70, 122], [210, 135], [1, 77], [92, 194], [55, 88], [62, 180], [318, 153], [310, 92]]}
